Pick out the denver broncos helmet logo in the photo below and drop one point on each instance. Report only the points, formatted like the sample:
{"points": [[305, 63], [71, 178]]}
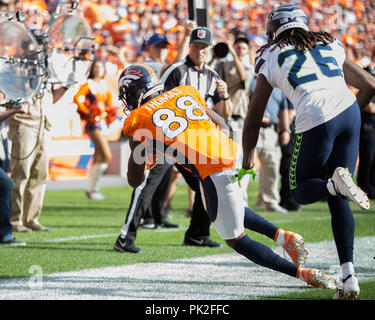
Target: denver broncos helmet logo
{"points": [[136, 83], [136, 72], [129, 75]]}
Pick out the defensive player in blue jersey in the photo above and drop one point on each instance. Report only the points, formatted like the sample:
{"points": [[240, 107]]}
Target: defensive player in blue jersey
{"points": [[313, 72]]}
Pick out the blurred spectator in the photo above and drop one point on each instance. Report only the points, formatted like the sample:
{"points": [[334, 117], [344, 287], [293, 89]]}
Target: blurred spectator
{"points": [[157, 48]]}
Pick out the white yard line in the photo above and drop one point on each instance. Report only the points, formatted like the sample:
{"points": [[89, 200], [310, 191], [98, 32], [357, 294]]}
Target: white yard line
{"points": [[82, 237], [106, 235], [161, 230], [216, 277]]}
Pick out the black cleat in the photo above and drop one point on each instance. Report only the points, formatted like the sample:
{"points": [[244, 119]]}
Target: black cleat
{"points": [[167, 224], [202, 242], [126, 245]]}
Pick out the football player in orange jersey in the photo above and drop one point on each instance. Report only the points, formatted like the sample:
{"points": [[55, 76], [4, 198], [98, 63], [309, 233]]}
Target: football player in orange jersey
{"points": [[176, 125]]}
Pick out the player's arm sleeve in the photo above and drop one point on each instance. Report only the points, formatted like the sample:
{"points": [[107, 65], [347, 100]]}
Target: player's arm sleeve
{"points": [[290, 105], [128, 129], [340, 54]]}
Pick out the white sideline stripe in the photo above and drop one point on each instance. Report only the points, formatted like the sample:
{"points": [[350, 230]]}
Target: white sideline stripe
{"points": [[106, 235], [216, 277]]}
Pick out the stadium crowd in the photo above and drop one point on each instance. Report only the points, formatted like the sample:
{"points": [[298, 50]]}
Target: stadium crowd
{"points": [[128, 23]]}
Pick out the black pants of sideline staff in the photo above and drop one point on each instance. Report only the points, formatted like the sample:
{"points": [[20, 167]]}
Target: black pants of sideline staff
{"points": [[366, 167], [152, 194]]}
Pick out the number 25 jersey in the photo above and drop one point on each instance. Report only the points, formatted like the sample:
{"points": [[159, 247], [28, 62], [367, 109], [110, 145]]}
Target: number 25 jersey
{"points": [[313, 81], [175, 124]]}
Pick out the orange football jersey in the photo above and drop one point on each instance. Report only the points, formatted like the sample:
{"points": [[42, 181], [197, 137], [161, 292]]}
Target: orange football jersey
{"points": [[175, 125]]}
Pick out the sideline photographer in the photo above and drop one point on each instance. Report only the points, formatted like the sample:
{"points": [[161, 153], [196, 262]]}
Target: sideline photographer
{"points": [[30, 134]]}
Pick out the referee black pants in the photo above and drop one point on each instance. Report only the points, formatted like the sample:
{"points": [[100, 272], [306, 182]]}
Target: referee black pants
{"points": [[366, 167], [152, 194]]}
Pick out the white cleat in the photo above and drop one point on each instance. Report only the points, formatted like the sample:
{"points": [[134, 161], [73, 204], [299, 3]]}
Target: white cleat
{"points": [[348, 289], [346, 187]]}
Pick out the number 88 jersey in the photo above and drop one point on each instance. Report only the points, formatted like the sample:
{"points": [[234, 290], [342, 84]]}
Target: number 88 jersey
{"points": [[313, 81], [175, 124]]}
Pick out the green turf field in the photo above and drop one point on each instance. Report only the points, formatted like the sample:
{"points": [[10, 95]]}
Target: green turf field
{"points": [[84, 231]]}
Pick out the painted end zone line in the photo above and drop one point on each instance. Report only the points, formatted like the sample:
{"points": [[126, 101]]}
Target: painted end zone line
{"points": [[106, 235]]}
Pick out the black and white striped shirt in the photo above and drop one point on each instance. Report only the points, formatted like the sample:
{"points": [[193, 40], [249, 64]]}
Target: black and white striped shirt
{"points": [[185, 72]]}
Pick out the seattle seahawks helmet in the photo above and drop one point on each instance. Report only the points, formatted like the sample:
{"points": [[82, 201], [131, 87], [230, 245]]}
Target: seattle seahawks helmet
{"points": [[137, 83], [285, 17]]}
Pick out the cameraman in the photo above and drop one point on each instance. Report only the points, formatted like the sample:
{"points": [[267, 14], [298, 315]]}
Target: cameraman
{"points": [[30, 134]]}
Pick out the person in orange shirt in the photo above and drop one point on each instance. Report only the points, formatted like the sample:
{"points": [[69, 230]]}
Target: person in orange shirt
{"points": [[94, 105], [176, 124]]}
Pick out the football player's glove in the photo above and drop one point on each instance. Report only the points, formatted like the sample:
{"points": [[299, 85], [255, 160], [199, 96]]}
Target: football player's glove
{"points": [[242, 172]]}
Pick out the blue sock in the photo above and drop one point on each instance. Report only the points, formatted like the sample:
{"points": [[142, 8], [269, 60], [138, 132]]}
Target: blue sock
{"points": [[343, 226], [255, 222], [264, 256]]}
